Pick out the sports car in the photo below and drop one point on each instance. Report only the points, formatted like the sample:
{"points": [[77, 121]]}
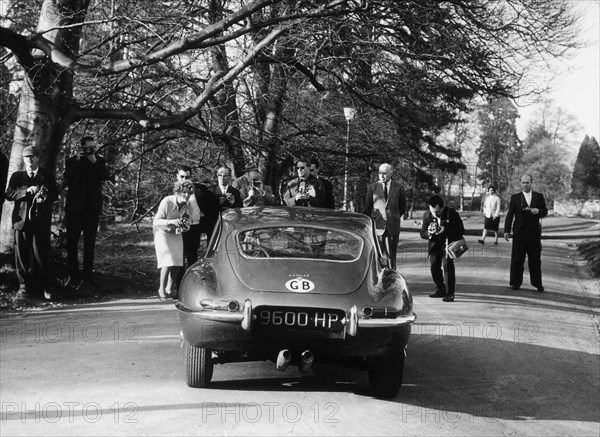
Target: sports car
{"points": [[295, 286]]}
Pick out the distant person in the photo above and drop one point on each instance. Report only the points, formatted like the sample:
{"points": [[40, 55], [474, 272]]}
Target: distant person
{"points": [[315, 168], [523, 218], [441, 226], [227, 196], [84, 174], [33, 190], [305, 189], [170, 222], [385, 203], [3, 176], [491, 213], [252, 190]]}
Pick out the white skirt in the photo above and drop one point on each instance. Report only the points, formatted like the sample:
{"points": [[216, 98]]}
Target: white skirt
{"points": [[169, 249]]}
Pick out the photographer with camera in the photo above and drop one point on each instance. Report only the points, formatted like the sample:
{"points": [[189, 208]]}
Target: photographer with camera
{"points": [[84, 174], [252, 190], [33, 191], [441, 225], [228, 196], [305, 190], [172, 219], [526, 208]]}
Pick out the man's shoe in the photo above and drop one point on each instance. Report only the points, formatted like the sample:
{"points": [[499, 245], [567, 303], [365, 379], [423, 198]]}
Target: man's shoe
{"points": [[481, 241], [540, 289], [449, 298], [515, 287], [438, 294]]}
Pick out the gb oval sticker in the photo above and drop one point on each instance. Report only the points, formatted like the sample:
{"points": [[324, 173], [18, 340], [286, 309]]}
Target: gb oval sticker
{"points": [[301, 285]]}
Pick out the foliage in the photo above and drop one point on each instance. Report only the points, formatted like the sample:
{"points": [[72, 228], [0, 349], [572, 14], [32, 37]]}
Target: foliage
{"points": [[586, 174], [500, 149], [230, 81]]}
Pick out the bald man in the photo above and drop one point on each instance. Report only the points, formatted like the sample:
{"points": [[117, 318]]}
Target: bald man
{"points": [[385, 203]]}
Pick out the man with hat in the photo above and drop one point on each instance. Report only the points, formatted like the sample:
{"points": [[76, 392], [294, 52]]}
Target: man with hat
{"points": [[33, 191], [84, 174], [252, 190]]}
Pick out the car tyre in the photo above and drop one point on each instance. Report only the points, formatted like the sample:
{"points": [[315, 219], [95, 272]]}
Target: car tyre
{"points": [[198, 366], [385, 374]]}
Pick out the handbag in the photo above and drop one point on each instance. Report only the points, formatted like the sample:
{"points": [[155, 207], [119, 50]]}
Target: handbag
{"points": [[455, 249]]}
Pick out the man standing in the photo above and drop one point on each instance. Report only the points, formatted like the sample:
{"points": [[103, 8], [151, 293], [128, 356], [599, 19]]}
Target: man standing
{"points": [[191, 238], [228, 197], [385, 203], [315, 167], [84, 174], [441, 226], [305, 190], [252, 190], [526, 208], [33, 192]]}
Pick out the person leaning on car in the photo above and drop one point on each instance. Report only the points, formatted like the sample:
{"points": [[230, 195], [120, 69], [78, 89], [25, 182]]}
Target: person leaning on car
{"points": [[304, 190], [441, 225], [252, 190]]}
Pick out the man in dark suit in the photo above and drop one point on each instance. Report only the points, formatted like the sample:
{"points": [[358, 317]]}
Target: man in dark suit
{"points": [[315, 167], [33, 191], [385, 203], [526, 208], [84, 174], [441, 225], [304, 190], [227, 196]]}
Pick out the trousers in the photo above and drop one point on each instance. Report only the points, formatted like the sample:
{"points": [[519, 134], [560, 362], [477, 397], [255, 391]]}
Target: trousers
{"points": [[533, 251], [446, 279], [85, 222]]}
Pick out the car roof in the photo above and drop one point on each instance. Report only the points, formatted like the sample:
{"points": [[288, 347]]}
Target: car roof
{"points": [[241, 218]]}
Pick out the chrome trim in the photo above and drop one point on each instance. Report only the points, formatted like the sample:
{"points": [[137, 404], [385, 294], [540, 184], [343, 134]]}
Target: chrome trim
{"points": [[247, 315], [387, 323], [352, 321], [215, 315]]}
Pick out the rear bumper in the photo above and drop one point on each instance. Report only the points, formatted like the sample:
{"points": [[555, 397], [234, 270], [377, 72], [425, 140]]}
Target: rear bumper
{"points": [[233, 330]]}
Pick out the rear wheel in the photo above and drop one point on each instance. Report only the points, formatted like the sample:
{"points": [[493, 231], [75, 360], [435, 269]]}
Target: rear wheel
{"points": [[385, 374], [198, 366]]}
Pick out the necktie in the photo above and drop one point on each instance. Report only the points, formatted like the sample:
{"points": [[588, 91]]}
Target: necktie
{"points": [[31, 175], [385, 192]]}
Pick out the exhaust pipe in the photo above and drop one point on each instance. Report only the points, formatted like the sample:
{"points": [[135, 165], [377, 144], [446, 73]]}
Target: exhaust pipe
{"points": [[283, 359], [306, 360]]}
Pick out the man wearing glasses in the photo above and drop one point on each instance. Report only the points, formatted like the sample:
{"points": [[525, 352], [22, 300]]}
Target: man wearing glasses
{"points": [[305, 190], [84, 174], [526, 208]]}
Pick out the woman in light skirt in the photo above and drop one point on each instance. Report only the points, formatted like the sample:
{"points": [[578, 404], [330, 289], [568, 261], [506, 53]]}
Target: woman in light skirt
{"points": [[170, 221]]}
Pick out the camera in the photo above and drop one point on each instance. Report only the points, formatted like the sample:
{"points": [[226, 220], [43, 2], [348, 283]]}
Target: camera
{"points": [[87, 150], [526, 211]]}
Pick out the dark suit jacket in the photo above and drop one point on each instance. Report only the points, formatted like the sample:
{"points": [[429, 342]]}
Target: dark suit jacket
{"points": [[453, 229], [208, 202], [237, 203], [526, 226], [17, 192], [289, 195], [394, 208], [84, 182], [328, 188]]}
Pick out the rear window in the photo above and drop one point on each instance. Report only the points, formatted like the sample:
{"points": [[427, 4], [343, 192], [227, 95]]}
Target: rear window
{"points": [[300, 242]]}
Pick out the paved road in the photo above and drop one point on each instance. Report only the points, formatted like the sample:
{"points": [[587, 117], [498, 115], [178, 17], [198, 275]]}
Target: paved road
{"points": [[495, 362]]}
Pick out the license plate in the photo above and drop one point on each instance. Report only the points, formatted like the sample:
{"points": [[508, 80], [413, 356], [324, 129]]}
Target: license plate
{"points": [[316, 319]]}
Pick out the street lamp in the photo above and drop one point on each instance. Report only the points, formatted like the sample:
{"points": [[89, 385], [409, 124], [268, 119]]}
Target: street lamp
{"points": [[349, 115]]}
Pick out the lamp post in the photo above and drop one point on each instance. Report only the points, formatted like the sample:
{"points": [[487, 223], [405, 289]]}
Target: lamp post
{"points": [[349, 115]]}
